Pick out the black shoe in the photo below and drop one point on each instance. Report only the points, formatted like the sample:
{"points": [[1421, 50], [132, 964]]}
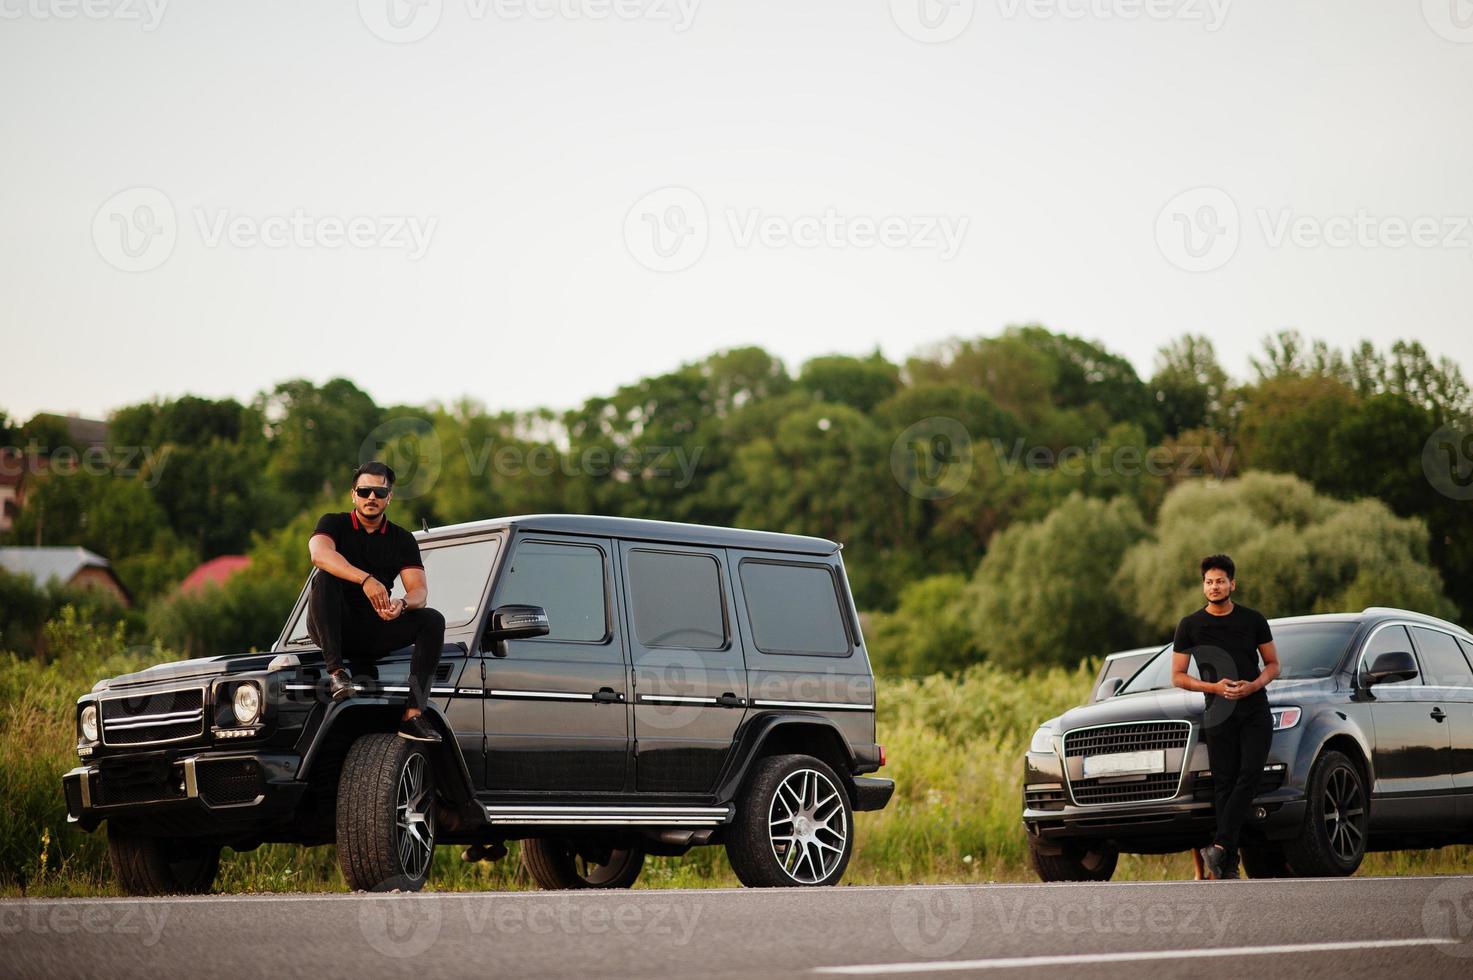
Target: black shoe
{"points": [[339, 685], [1232, 864], [1215, 860], [418, 729]]}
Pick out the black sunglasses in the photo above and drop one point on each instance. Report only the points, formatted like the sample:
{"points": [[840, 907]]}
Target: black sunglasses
{"points": [[366, 492]]}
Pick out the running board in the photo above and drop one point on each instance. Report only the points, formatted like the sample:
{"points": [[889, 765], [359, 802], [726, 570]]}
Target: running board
{"points": [[610, 816]]}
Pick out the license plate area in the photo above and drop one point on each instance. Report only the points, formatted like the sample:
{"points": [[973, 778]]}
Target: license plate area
{"points": [[1146, 762]]}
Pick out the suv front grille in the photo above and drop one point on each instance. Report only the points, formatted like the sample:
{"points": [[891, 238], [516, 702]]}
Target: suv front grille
{"points": [[160, 716], [1170, 737], [1127, 738]]}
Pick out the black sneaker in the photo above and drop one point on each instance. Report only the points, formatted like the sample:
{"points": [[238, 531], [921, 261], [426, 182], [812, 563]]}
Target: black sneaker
{"points": [[418, 729], [339, 685], [1215, 860], [1232, 865]]}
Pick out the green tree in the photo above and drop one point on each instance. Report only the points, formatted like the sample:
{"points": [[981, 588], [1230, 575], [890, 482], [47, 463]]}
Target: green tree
{"points": [[1297, 551], [1191, 388], [860, 383], [929, 631], [1288, 420], [1041, 595], [316, 435]]}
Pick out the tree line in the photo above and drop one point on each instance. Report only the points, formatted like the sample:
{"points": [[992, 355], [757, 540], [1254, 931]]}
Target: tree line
{"points": [[956, 479]]}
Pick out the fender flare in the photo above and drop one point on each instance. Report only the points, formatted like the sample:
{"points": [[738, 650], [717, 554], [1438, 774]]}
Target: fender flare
{"points": [[451, 773], [755, 733], [1327, 725]]}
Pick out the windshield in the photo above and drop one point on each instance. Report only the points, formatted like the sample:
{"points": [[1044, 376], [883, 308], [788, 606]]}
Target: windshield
{"points": [[1305, 650], [455, 575]]}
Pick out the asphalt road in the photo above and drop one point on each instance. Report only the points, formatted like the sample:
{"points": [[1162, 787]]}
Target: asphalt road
{"points": [[1359, 927]]}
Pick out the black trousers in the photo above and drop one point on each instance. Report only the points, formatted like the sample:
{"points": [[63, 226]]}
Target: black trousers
{"points": [[337, 627], [1237, 749]]}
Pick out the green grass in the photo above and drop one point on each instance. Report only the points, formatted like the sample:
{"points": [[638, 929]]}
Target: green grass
{"points": [[955, 746]]}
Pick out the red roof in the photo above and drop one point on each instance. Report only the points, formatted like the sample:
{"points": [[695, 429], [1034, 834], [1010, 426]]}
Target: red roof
{"points": [[215, 571]]}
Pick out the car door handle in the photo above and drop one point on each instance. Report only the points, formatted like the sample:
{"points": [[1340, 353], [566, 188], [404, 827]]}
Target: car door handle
{"points": [[1437, 714], [729, 700], [607, 695]]}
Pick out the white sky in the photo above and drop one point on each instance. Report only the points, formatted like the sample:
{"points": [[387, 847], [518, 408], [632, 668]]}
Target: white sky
{"points": [[1057, 133]]}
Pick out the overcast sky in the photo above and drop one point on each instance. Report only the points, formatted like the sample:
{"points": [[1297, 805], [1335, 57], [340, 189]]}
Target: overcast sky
{"points": [[549, 198]]}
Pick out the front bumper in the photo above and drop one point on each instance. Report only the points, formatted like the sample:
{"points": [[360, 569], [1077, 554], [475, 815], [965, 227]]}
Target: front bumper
{"points": [[222, 789], [1186, 819]]}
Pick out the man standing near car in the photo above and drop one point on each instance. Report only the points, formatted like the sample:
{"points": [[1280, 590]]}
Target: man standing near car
{"points": [[358, 554], [1226, 640]]}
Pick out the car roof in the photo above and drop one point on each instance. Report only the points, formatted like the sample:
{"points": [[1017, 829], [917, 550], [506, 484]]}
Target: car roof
{"points": [[631, 528]]}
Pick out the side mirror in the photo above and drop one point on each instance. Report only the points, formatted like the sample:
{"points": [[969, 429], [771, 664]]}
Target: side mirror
{"points": [[517, 622], [1109, 688], [1395, 666]]}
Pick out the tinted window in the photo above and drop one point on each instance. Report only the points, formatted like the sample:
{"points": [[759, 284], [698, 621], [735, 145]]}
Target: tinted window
{"points": [[455, 576], [565, 579], [1442, 661], [1392, 639], [676, 600], [794, 608]]}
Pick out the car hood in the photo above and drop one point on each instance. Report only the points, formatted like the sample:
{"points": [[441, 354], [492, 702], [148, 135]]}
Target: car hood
{"points": [[1175, 704], [181, 670]]}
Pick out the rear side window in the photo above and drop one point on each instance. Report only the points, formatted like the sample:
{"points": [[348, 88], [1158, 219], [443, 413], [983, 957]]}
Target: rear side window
{"points": [[794, 608], [565, 579], [1442, 660], [676, 598]]}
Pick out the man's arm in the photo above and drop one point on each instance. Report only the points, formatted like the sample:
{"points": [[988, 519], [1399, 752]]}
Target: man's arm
{"points": [[1180, 678], [325, 556], [1270, 670]]}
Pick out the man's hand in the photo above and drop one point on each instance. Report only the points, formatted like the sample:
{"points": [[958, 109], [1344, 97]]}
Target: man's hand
{"points": [[377, 595], [1237, 690], [392, 611]]}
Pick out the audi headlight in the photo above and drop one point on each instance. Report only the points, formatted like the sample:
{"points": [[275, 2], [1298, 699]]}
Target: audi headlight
{"points": [[1043, 740], [1285, 718], [87, 722], [246, 703]]}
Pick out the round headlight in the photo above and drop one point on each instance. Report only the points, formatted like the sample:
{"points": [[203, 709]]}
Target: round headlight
{"points": [[87, 721], [247, 703]]}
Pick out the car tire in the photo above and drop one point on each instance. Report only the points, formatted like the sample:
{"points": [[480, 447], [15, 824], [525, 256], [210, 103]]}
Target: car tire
{"points": [[794, 825], [1332, 841], [558, 864], [146, 865], [1082, 861], [386, 814], [1265, 861]]}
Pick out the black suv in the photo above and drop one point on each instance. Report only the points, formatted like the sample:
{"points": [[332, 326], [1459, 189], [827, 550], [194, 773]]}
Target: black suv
{"points": [[1372, 750], [609, 688]]}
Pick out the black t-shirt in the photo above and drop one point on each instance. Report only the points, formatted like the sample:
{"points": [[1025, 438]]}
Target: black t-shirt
{"points": [[383, 552], [1239, 634]]}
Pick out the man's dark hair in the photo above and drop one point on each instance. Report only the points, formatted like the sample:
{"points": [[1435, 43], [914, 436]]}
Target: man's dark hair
{"points": [[1220, 562], [375, 468]]}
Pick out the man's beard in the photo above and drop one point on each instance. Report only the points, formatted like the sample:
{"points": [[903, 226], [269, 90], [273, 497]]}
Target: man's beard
{"points": [[1220, 602]]}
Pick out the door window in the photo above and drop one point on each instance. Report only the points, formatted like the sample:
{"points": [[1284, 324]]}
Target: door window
{"points": [[565, 579], [676, 599]]}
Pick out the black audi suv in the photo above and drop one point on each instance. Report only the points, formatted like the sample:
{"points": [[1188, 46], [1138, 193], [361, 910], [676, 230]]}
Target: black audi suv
{"points": [[1372, 750]]}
